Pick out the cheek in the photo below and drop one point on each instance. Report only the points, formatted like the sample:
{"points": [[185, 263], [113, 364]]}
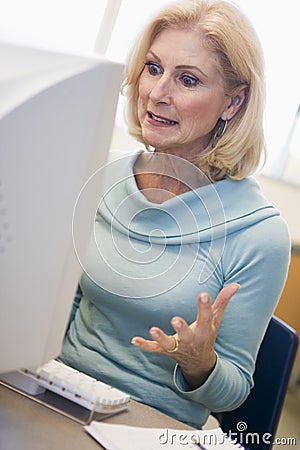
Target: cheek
{"points": [[204, 110], [141, 101], [193, 106], [144, 88]]}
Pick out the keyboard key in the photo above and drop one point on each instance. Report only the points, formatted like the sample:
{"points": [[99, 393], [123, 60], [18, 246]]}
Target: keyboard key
{"points": [[80, 388]]}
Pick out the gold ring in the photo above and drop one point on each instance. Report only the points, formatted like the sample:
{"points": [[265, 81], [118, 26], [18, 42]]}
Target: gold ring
{"points": [[176, 345]]}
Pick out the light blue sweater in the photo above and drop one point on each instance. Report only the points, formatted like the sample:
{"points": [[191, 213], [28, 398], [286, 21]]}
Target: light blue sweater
{"points": [[148, 262]]}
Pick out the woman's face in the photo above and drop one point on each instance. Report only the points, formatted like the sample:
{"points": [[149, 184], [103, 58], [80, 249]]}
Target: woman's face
{"points": [[181, 94]]}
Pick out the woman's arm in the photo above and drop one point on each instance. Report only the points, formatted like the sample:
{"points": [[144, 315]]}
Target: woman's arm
{"points": [[258, 260], [75, 305]]}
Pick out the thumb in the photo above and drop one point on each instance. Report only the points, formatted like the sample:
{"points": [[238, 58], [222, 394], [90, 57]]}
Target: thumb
{"points": [[222, 301]]}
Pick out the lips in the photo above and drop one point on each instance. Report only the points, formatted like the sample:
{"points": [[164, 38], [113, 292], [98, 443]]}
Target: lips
{"points": [[159, 120]]}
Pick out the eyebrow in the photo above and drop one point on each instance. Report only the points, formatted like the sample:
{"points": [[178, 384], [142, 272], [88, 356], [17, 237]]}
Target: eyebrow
{"points": [[182, 66]]}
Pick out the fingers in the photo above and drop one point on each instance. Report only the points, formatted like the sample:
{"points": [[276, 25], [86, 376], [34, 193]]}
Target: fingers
{"points": [[144, 344], [182, 329], [162, 343], [205, 314], [208, 319], [222, 301], [208, 312], [166, 342]]}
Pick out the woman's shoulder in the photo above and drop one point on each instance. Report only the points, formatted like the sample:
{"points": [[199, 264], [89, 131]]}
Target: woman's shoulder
{"points": [[265, 238]]}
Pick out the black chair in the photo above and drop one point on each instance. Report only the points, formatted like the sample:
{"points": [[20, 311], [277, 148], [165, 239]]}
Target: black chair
{"points": [[255, 422]]}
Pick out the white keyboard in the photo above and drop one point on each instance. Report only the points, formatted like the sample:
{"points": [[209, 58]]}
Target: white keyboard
{"points": [[79, 387]]}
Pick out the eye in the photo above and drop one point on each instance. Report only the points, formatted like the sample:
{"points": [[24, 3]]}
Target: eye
{"points": [[189, 80], [153, 68]]}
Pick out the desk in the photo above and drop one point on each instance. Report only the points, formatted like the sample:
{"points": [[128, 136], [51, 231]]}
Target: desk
{"points": [[26, 425]]}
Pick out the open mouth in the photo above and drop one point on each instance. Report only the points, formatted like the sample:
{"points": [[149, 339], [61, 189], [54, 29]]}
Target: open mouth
{"points": [[161, 120]]}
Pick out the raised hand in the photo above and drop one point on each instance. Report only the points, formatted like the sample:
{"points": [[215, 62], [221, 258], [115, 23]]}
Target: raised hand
{"points": [[192, 346]]}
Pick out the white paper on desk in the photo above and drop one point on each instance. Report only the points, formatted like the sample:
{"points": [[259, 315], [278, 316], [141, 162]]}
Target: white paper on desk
{"points": [[123, 437]]}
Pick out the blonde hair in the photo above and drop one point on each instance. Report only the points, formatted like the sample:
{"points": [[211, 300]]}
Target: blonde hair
{"points": [[228, 33]]}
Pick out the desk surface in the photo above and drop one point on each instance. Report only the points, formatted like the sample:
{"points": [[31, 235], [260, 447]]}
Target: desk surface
{"points": [[27, 425]]}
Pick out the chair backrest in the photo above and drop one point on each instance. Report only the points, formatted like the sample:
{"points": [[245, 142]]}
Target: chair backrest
{"points": [[256, 420]]}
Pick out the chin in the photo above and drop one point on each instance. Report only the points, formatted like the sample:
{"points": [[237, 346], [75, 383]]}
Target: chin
{"points": [[155, 142]]}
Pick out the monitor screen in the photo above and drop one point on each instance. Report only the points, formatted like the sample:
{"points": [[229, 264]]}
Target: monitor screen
{"points": [[56, 119]]}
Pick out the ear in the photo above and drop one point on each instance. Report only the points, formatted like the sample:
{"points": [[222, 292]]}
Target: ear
{"points": [[237, 101]]}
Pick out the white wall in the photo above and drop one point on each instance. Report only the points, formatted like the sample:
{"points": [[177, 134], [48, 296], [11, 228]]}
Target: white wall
{"points": [[286, 197]]}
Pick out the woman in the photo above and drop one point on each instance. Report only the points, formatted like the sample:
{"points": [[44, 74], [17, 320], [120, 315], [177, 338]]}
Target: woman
{"points": [[184, 223]]}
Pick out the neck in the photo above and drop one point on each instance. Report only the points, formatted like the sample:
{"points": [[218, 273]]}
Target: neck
{"points": [[161, 176]]}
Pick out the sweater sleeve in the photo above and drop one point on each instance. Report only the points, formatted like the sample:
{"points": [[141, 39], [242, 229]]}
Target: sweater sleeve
{"points": [[75, 306], [257, 258]]}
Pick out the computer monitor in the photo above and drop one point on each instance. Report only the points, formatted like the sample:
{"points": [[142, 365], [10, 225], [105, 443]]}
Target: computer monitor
{"points": [[56, 120]]}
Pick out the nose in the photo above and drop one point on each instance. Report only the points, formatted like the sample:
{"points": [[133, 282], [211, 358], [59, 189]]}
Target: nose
{"points": [[161, 90]]}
